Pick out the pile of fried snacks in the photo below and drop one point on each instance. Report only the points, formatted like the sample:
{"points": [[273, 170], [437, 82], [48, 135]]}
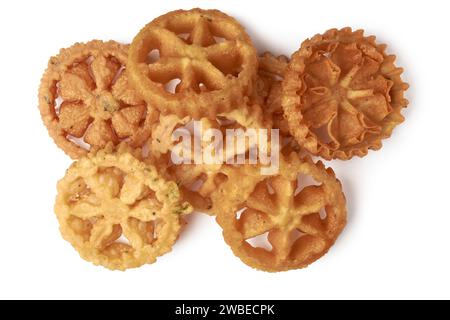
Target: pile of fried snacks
{"points": [[114, 108]]}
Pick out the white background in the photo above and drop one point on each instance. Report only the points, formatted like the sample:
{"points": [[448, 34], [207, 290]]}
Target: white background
{"points": [[396, 244]]}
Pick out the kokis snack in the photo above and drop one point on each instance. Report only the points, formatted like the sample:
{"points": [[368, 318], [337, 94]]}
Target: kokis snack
{"points": [[115, 108]]}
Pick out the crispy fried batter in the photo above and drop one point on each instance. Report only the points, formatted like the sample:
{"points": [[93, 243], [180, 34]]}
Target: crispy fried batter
{"points": [[85, 99], [342, 94], [121, 207], [198, 181], [297, 232], [267, 91], [109, 195], [208, 52]]}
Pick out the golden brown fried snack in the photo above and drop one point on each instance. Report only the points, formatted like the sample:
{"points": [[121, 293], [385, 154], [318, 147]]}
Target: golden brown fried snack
{"points": [[198, 182], [268, 90], [301, 224], [342, 94], [85, 99], [205, 54], [110, 195]]}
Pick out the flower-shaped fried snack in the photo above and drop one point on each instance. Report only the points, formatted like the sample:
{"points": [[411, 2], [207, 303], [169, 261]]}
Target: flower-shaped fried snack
{"points": [[195, 63], [301, 221], [85, 99], [117, 211], [342, 94], [198, 181]]}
